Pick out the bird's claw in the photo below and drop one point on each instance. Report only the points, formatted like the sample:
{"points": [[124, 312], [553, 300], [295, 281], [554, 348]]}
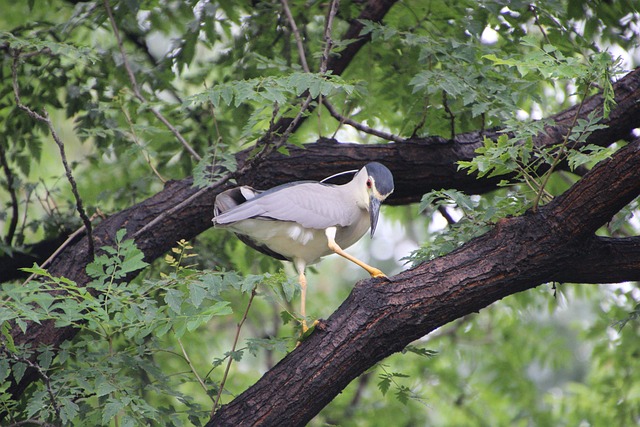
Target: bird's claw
{"points": [[305, 328], [306, 331], [377, 273]]}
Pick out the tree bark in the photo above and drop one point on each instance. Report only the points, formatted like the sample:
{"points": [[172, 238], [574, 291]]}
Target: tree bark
{"points": [[381, 317]]}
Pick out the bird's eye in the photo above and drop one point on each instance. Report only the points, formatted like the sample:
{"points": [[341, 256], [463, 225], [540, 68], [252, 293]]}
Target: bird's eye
{"points": [[369, 183]]}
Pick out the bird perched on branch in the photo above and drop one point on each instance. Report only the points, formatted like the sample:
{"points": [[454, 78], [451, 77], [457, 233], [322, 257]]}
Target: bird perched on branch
{"points": [[305, 220]]}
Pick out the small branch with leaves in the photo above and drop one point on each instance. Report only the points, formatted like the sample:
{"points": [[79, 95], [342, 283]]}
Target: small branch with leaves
{"points": [[44, 117], [136, 88], [233, 349]]}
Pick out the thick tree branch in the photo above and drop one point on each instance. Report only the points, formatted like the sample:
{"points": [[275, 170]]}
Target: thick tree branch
{"points": [[381, 317], [603, 260], [418, 165], [14, 198]]}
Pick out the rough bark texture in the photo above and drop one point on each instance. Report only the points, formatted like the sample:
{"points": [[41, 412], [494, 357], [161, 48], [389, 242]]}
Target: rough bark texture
{"points": [[381, 317], [182, 212]]}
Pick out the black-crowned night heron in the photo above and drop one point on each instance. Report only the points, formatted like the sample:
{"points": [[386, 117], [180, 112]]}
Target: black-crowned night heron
{"points": [[306, 220]]}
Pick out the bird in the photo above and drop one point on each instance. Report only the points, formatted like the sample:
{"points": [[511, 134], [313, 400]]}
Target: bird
{"points": [[303, 221]]}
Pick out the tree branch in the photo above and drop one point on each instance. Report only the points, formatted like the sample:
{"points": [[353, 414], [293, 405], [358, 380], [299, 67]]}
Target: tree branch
{"points": [[14, 198], [603, 260], [359, 126], [136, 87], [54, 134], [374, 11], [296, 35]]}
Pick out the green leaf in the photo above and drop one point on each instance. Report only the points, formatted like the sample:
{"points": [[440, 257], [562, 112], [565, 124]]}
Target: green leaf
{"points": [[174, 299], [221, 308], [420, 351], [197, 294], [5, 329], [38, 271], [289, 288], [133, 262], [104, 388], [249, 283], [95, 269], [68, 409], [18, 369], [286, 317], [120, 235], [112, 408], [384, 384]]}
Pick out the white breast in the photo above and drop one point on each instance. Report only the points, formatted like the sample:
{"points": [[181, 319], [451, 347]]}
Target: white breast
{"points": [[292, 240]]}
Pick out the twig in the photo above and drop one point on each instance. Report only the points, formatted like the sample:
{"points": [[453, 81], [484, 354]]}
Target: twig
{"points": [[333, 10], [62, 247], [185, 202], [446, 215], [30, 422], [233, 349], [359, 126], [193, 369], [536, 18], [136, 89], [561, 153], [45, 377], [14, 198], [423, 119], [134, 137], [218, 139], [303, 62], [294, 122], [296, 34], [27, 199], [47, 120], [452, 116], [281, 140]]}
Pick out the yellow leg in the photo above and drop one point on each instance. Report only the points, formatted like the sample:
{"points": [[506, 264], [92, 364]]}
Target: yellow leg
{"points": [[302, 280], [331, 239]]}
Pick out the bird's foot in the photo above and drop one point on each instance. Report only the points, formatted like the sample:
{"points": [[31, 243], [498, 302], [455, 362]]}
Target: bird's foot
{"points": [[305, 328], [374, 272], [306, 331]]}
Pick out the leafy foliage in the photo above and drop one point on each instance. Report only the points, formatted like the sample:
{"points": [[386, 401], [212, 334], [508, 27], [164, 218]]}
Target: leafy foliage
{"points": [[124, 326]]}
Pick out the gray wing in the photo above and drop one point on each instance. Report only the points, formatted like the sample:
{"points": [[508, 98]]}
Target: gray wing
{"points": [[232, 198], [311, 204]]}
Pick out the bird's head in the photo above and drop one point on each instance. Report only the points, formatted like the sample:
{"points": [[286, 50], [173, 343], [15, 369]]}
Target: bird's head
{"points": [[379, 186]]}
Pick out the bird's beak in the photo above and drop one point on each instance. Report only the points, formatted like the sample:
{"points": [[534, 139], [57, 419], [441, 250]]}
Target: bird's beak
{"points": [[374, 210]]}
